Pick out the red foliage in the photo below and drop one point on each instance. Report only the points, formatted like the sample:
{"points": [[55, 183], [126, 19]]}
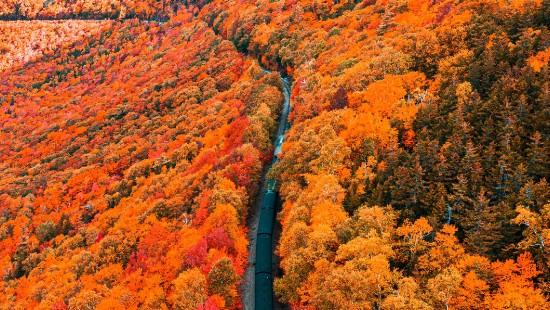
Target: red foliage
{"points": [[219, 238], [196, 255]]}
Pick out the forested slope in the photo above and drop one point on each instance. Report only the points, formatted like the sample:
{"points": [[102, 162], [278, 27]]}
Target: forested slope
{"points": [[128, 162], [22, 42], [88, 9], [414, 175]]}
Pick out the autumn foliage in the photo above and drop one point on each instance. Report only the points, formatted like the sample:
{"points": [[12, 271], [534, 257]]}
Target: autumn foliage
{"points": [[129, 159], [414, 175], [435, 108]]}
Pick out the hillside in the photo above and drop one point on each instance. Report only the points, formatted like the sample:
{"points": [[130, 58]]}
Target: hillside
{"points": [[413, 176], [437, 109], [22, 42], [128, 162]]}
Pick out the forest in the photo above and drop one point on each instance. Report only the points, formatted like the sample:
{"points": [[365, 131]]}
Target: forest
{"points": [[134, 136]]}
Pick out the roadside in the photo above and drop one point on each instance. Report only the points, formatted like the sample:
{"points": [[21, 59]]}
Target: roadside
{"points": [[248, 284]]}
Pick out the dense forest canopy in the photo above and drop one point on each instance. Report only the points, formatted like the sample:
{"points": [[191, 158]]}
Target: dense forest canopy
{"points": [[414, 175], [128, 162]]}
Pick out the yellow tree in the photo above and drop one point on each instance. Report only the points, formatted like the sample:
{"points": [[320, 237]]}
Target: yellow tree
{"points": [[413, 238], [537, 232]]}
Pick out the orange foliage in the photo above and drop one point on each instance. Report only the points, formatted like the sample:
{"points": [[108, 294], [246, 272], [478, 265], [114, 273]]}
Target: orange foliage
{"points": [[131, 152], [130, 166]]}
